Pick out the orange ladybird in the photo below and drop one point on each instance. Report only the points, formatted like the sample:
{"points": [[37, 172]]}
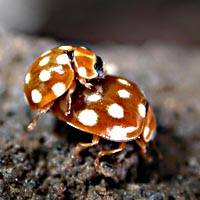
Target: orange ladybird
{"points": [[115, 109], [55, 73]]}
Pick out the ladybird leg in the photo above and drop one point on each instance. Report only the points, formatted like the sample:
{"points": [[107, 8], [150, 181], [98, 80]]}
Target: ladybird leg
{"points": [[38, 115], [160, 156], [81, 146], [143, 148], [66, 105], [122, 145], [84, 82], [141, 143]]}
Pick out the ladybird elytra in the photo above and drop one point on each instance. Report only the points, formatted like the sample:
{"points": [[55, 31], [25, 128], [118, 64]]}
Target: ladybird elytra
{"points": [[55, 72], [115, 109], [106, 112], [149, 131]]}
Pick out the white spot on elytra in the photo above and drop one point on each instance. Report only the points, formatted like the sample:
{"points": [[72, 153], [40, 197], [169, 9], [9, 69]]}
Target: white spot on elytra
{"points": [[146, 132], [63, 59], [88, 117], [58, 69], [36, 96], [93, 98], [27, 78], [82, 72], [44, 61], [123, 81], [44, 75], [115, 111], [65, 47], [119, 133], [58, 89], [124, 93], [45, 53], [142, 110]]}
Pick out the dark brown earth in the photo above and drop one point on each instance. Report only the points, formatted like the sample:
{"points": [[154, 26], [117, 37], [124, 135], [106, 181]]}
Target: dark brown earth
{"points": [[38, 165]]}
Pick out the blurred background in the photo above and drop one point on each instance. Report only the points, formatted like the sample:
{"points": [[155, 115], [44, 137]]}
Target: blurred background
{"points": [[127, 22]]}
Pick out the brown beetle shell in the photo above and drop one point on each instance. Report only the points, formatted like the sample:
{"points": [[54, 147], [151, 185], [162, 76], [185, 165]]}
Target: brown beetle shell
{"points": [[84, 61], [43, 79], [150, 126], [52, 74], [115, 110]]}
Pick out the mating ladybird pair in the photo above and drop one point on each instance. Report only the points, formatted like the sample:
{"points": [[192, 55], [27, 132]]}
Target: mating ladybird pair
{"points": [[110, 107], [55, 73]]}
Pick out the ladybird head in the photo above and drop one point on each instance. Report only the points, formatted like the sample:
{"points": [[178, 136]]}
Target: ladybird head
{"points": [[87, 64], [99, 67]]}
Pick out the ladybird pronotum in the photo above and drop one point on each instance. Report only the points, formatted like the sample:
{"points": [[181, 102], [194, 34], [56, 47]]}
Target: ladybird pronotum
{"points": [[55, 73], [115, 109]]}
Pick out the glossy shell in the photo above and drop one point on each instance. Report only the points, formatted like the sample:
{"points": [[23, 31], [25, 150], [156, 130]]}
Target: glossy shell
{"points": [[48, 77], [84, 61], [52, 73], [149, 131], [115, 109]]}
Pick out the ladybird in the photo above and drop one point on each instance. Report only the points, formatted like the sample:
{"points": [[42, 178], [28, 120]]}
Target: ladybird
{"points": [[55, 72], [115, 109]]}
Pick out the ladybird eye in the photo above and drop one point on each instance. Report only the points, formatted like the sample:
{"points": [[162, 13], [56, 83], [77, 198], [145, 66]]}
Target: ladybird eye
{"points": [[99, 67], [70, 54]]}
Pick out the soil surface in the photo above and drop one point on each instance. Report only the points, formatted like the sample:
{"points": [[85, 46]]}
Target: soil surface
{"points": [[38, 165]]}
